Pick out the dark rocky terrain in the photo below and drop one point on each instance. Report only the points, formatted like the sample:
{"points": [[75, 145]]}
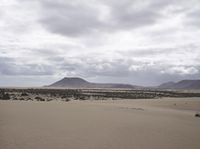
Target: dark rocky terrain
{"points": [[49, 94]]}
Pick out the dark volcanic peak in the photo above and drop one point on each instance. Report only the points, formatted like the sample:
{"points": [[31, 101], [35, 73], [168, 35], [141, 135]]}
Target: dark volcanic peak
{"points": [[73, 82], [184, 84]]}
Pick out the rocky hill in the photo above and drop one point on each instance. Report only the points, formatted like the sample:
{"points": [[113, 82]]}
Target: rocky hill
{"points": [[184, 84], [81, 83]]}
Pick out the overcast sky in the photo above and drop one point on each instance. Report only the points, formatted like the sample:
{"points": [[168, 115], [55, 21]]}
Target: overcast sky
{"points": [[142, 42]]}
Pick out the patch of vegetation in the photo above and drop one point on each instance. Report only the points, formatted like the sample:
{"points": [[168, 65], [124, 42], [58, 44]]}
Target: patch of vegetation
{"points": [[49, 99], [21, 99], [39, 98], [4, 95], [90, 94], [67, 100], [24, 94], [29, 99], [197, 115]]}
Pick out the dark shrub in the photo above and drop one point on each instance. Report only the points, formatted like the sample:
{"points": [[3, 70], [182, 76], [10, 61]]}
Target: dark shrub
{"points": [[49, 99], [67, 99], [63, 96], [21, 98], [39, 98], [197, 115], [29, 99], [24, 94], [83, 98], [4, 96]]}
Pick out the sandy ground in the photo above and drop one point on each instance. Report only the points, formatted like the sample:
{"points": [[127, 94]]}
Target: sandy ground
{"points": [[120, 124]]}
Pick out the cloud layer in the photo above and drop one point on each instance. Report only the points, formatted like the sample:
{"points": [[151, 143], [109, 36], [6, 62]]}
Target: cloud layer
{"points": [[144, 43]]}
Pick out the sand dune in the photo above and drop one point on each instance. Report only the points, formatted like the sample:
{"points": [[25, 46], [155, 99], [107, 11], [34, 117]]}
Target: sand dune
{"points": [[119, 124]]}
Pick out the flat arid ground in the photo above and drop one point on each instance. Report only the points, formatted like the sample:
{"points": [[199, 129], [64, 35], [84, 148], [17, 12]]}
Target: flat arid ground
{"points": [[167, 123]]}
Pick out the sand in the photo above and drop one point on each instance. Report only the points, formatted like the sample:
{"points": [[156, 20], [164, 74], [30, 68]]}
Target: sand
{"points": [[121, 124]]}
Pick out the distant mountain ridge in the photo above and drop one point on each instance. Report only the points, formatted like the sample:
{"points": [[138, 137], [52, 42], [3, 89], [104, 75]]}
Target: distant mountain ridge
{"points": [[184, 84], [75, 82]]}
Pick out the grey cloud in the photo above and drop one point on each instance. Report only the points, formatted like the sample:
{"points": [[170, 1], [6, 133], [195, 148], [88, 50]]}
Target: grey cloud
{"points": [[128, 14], [192, 18], [139, 72], [82, 18], [147, 52], [72, 19], [6, 65], [40, 53], [11, 67], [88, 66], [43, 52], [186, 55], [135, 71], [148, 74], [69, 19]]}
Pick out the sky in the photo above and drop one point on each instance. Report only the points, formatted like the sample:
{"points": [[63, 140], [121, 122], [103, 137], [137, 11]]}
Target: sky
{"points": [[137, 42]]}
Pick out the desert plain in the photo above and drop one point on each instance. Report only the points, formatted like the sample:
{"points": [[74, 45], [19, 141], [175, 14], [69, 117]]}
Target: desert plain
{"points": [[166, 123]]}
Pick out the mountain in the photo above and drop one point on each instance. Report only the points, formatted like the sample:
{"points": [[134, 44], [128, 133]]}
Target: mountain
{"points": [[166, 85], [184, 84], [68, 82]]}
